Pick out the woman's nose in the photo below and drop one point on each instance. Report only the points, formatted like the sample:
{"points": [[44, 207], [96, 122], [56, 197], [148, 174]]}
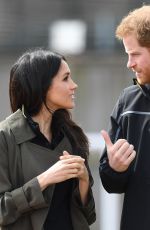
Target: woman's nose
{"points": [[74, 85]]}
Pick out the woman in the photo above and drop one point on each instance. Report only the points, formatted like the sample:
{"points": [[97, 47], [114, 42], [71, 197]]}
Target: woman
{"points": [[45, 181]]}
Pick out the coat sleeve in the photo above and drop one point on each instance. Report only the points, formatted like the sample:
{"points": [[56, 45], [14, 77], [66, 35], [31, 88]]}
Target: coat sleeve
{"points": [[114, 182], [87, 210], [15, 202]]}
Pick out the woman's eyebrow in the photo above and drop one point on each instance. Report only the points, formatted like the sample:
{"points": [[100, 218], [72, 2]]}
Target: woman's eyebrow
{"points": [[67, 73]]}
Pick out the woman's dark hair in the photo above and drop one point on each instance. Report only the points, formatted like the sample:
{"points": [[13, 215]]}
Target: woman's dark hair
{"points": [[30, 79], [62, 119]]}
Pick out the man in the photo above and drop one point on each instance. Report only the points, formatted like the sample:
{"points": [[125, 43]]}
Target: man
{"points": [[124, 168]]}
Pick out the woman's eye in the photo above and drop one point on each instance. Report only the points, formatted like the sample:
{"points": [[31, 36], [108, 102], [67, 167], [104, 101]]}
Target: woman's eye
{"points": [[65, 78]]}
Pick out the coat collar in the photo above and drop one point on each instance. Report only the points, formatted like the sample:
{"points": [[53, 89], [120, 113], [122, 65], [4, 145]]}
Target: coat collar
{"points": [[145, 89], [19, 127]]}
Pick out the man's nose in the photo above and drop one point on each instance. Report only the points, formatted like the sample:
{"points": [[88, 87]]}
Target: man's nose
{"points": [[131, 63]]}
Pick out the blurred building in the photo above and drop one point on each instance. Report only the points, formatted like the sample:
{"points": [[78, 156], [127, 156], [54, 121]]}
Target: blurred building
{"points": [[96, 58]]}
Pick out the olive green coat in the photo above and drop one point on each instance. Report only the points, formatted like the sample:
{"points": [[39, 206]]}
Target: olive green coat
{"points": [[22, 204]]}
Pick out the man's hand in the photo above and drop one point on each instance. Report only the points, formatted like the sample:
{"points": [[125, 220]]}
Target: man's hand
{"points": [[120, 154]]}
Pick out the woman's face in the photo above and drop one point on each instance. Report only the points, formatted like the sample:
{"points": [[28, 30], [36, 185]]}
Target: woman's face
{"points": [[61, 93]]}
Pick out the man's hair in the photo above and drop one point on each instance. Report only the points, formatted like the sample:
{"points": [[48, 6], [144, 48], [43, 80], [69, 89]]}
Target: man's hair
{"points": [[137, 22]]}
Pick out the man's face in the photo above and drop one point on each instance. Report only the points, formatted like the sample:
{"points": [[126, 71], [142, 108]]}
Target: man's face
{"points": [[138, 58]]}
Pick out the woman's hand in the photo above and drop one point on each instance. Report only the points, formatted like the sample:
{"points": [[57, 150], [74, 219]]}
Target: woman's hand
{"points": [[82, 175], [78, 161], [67, 167]]}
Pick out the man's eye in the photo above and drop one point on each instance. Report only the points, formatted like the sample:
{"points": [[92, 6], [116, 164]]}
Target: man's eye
{"points": [[135, 54]]}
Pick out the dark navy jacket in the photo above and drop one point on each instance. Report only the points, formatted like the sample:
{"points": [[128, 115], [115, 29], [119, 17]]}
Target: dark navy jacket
{"points": [[130, 120]]}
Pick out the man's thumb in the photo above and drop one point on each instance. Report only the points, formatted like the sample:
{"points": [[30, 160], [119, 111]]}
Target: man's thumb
{"points": [[106, 138]]}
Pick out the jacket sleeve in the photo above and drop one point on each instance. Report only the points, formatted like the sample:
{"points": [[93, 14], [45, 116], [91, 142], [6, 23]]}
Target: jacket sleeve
{"points": [[15, 202], [87, 210], [114, 182]]}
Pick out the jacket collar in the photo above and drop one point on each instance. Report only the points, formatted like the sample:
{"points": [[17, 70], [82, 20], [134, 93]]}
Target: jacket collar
{"points": [[145, 89], [19, 127]]}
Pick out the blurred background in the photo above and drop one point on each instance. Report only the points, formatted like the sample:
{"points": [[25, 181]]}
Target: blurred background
{"points": [[84, 31]]}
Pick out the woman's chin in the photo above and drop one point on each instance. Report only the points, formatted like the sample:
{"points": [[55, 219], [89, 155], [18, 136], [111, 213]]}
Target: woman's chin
{"points": [[71, 106]]}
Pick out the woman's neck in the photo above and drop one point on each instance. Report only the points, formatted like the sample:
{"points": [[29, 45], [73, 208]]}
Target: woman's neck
{"points": [[44, 119]]}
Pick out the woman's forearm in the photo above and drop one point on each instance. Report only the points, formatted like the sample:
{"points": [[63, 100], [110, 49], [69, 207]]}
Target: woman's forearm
{"points": [[84, 188]]}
